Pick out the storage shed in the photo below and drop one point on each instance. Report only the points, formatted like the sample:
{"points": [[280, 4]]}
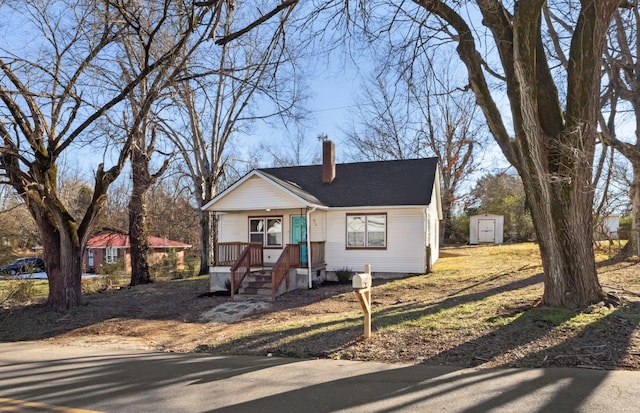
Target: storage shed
{"points": [[486, 229], [607, 228]]}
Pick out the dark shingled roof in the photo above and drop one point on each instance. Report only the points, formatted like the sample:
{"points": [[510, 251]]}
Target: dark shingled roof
{"points": [[384, 183]]}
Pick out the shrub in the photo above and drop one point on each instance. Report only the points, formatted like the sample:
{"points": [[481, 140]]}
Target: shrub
{"points": [[344, 275], [112, 269], [19, 291]]}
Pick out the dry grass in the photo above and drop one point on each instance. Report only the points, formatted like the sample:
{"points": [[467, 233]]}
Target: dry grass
{"points": [[478, 307]]}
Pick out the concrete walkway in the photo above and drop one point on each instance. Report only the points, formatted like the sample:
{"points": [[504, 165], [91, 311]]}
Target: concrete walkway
{"points": [[36, 377], [232, 311]]}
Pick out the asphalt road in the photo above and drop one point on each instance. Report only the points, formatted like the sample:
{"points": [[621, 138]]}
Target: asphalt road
{"points": [[36, 377]]}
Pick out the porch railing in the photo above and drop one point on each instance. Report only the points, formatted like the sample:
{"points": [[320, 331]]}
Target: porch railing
{"points": [[290, 258], [229, 252], [317, 252], [251, 256]]}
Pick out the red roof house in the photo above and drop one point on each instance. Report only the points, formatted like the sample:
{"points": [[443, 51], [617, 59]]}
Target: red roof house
{"points": [[114, 248]]}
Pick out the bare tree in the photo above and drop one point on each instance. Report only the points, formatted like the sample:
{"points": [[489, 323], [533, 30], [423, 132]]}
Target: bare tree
{"points": [[147, 102], [289, 151], [618, 89], [550, 141], [53, 92], [621, 98], [233, 86], [412, 113]]}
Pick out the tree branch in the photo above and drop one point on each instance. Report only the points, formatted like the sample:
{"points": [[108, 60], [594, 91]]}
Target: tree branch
{"points": [[226, 39]]}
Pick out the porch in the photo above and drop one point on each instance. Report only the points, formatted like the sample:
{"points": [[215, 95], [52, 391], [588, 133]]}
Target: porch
{"points": [[237, 261]]}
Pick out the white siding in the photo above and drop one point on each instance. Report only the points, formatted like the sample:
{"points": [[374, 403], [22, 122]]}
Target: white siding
{"points": [[255, 193], [234, 227], [317, 226], [405, 251], [433, 216], [498, 228]]}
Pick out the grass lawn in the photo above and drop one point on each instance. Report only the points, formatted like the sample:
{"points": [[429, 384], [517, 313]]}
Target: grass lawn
{"points": [[479, 307]]}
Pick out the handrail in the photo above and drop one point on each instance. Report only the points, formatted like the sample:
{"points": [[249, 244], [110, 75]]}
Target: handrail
{"points": [[251, 257], [290, 258]]}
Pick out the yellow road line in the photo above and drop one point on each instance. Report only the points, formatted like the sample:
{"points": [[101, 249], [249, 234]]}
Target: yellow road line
{"points": [[14, 405]]}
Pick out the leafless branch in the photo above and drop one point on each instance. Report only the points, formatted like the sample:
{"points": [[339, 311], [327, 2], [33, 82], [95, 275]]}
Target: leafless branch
{"points": [[226, 39]]}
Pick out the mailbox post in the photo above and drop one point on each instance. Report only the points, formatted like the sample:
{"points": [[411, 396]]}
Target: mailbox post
{"points": [[361, 284]]}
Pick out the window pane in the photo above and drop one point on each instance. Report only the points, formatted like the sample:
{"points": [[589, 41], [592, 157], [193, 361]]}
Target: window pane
{"points": [[355, 231], [256, 225], [355, 224], [355, 239], [375, 239], [274, 231], [258, 237], [376, 230]]}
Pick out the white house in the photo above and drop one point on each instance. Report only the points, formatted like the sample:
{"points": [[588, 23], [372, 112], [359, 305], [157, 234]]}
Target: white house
{"points": [[385, 214], [486, 229]]}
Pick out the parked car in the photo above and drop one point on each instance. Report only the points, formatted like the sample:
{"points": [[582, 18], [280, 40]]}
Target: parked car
{"points": [[23, 266]]}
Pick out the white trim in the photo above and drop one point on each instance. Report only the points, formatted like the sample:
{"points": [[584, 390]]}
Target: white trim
{"points": [[375, 207], [436, 189], [309, 211], [266, 179]]}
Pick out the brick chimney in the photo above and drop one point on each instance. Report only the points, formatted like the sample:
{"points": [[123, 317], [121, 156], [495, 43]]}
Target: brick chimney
{"points": [[328, 162]]}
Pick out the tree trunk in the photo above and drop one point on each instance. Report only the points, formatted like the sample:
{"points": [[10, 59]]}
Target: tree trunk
{"points": [[208, 223], [205, 242], [447, 217], [138, 235], [63, 264], [561, 208], [633, 245]]}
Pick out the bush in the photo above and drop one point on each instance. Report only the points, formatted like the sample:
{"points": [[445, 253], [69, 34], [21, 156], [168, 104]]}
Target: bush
{"points": [[24, 290], [624, 227], [103, 283], [112, 269], [344, 275], [460, 229]]}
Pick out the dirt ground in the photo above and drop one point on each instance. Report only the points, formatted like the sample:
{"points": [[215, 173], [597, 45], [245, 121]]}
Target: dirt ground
{"points": [[327, 322]]}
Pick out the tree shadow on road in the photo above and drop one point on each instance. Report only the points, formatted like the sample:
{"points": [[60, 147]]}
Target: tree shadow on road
{"points": [[170, 382]]}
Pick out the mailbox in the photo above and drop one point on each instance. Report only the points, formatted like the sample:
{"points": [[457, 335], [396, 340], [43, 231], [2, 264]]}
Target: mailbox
{"points": [[361, 281]]}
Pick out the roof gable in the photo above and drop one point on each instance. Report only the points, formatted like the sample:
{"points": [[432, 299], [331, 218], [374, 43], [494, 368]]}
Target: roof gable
{"points": [[256, 190]]}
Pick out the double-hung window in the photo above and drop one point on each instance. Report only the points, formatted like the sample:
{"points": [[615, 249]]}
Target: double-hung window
{"points": [[111, 255], [366, 230], [266, 230]]}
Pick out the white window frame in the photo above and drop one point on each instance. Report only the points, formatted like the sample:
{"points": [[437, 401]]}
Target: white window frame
{"points": [[111, 255], [266, 231]]}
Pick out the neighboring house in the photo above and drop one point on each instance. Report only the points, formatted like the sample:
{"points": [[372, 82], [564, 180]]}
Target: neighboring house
{"points": [[486, 229], [385, 214], [113, 248]]}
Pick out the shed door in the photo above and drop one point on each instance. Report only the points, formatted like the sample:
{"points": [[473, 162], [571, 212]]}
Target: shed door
{"points": [[486, 230]]}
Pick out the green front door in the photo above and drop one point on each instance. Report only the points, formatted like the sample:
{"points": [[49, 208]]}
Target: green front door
{"points": [[299, 235]]}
